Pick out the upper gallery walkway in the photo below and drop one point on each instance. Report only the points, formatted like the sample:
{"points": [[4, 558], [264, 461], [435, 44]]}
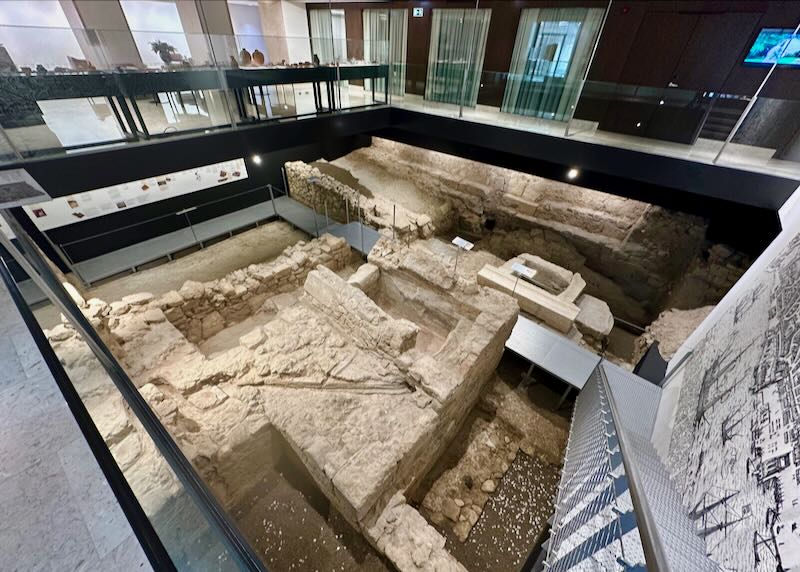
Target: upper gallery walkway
{"points": [[704, 141]]}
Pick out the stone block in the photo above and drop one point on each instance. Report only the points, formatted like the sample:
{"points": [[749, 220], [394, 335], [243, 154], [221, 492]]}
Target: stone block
{"points": [[118, 308], [171, 299], [595, 319], [252, 339], [365, 278], [212, 324], [138, 299]]}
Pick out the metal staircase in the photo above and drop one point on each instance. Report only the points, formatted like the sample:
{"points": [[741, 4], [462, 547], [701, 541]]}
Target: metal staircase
{"points": [[616, 509]]}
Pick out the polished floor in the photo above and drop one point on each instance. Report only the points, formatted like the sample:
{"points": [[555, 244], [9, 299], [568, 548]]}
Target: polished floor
{"points": [[70, 123], [57, 511], [745, 157]]}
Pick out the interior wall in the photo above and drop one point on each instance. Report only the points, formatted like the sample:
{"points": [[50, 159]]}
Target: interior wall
{"points": [[108, 28], [700, 44], [724, 383], [268, 172]]}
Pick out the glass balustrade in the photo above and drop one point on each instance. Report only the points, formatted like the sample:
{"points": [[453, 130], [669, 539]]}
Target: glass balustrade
{"points": [[109, 87]]}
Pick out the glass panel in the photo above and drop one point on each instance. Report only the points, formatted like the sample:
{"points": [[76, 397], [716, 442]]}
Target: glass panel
{"points": [[551, 55], [184, 532], [455, 59]]}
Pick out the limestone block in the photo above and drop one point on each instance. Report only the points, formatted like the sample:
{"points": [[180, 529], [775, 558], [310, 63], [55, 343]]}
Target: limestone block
{"points": [[74, 294], [533, 300], [359, 313], [138, 299], [154, 316], [212, 324], [595, 319], [171, 299], [438, 382], [365, 278], [108, 414], [174, 315], [192, 290], [284, 300], [574, 289], [252, 339], [208, 397], [127, 451], [409, 542], [60, 333], [118, 308]]}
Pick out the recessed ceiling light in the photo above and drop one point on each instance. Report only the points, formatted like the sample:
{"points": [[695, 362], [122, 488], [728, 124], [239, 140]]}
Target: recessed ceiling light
{"points": [[257, 159], [661, 102], [573, 173], [639, 124]]}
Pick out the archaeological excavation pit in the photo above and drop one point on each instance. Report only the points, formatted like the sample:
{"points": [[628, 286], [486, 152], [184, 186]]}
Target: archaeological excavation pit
{"points": [[363, 414], [313, 393]]}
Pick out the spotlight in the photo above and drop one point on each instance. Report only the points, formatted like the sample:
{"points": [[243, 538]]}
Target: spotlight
{"points": [[661, 102], [639, 124], [257, 159], [573, 173]]}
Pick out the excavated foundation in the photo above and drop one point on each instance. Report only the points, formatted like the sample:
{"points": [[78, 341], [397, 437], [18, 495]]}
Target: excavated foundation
{"points": [[639, 258], [364, 376]]}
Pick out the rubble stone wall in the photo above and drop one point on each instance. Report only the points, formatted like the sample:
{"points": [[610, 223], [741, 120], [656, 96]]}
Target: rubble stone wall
{"points": [[200, 310], [311, 187], [630, 253]]}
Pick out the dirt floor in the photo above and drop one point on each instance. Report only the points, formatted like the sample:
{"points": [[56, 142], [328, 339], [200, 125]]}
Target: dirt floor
{"points": [[517, 511], [380, 182], [292, 525], [260, 244]]}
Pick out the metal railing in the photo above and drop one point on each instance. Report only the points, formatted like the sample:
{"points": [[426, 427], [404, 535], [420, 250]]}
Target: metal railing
{"points": [[616, 505], [35, 265]]}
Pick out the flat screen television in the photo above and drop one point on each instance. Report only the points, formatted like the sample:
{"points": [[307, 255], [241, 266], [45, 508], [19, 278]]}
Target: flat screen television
{"points": [[773, 45]]}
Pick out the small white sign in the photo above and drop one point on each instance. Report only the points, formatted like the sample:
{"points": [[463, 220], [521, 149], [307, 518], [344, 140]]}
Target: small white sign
{"points": [[523, 271], [417, 12], [462, 243]]}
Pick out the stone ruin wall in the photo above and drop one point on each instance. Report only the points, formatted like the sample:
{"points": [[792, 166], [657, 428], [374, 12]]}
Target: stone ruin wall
{"points": [[631, 254], [308, 185], [364, 445], [201, 310]]}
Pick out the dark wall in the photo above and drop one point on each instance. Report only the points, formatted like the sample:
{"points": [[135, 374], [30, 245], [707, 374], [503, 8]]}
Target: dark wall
{"points": [[131, 226], [328, 137], [700, 45]]}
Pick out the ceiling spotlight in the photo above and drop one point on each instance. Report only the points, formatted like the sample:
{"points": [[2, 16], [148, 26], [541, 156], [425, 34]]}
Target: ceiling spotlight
{"points": [[661, 102], [639, 124], [257, 159], [573, 173]]}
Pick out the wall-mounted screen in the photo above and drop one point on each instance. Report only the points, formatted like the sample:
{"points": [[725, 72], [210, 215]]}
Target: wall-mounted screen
{"points": [[775, 45]]}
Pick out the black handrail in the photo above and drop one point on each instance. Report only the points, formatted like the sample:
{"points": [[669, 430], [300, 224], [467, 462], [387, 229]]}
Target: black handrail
{"points": [[33, 262], [140, 524]]}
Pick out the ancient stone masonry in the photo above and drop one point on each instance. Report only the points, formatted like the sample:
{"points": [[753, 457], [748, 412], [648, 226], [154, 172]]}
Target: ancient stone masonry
{"points": [[552, 295], [200, 310], [366, 379], [629, 253], [670, 330], [315, 189]]}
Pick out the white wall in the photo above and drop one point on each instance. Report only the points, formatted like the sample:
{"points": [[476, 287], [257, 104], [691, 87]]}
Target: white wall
{"points": [[790, 221], [37, 33], [155, 20], [296, 25]]}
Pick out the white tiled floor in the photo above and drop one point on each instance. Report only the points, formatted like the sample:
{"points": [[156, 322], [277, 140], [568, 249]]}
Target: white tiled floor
{"points": [[57, 511]]}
